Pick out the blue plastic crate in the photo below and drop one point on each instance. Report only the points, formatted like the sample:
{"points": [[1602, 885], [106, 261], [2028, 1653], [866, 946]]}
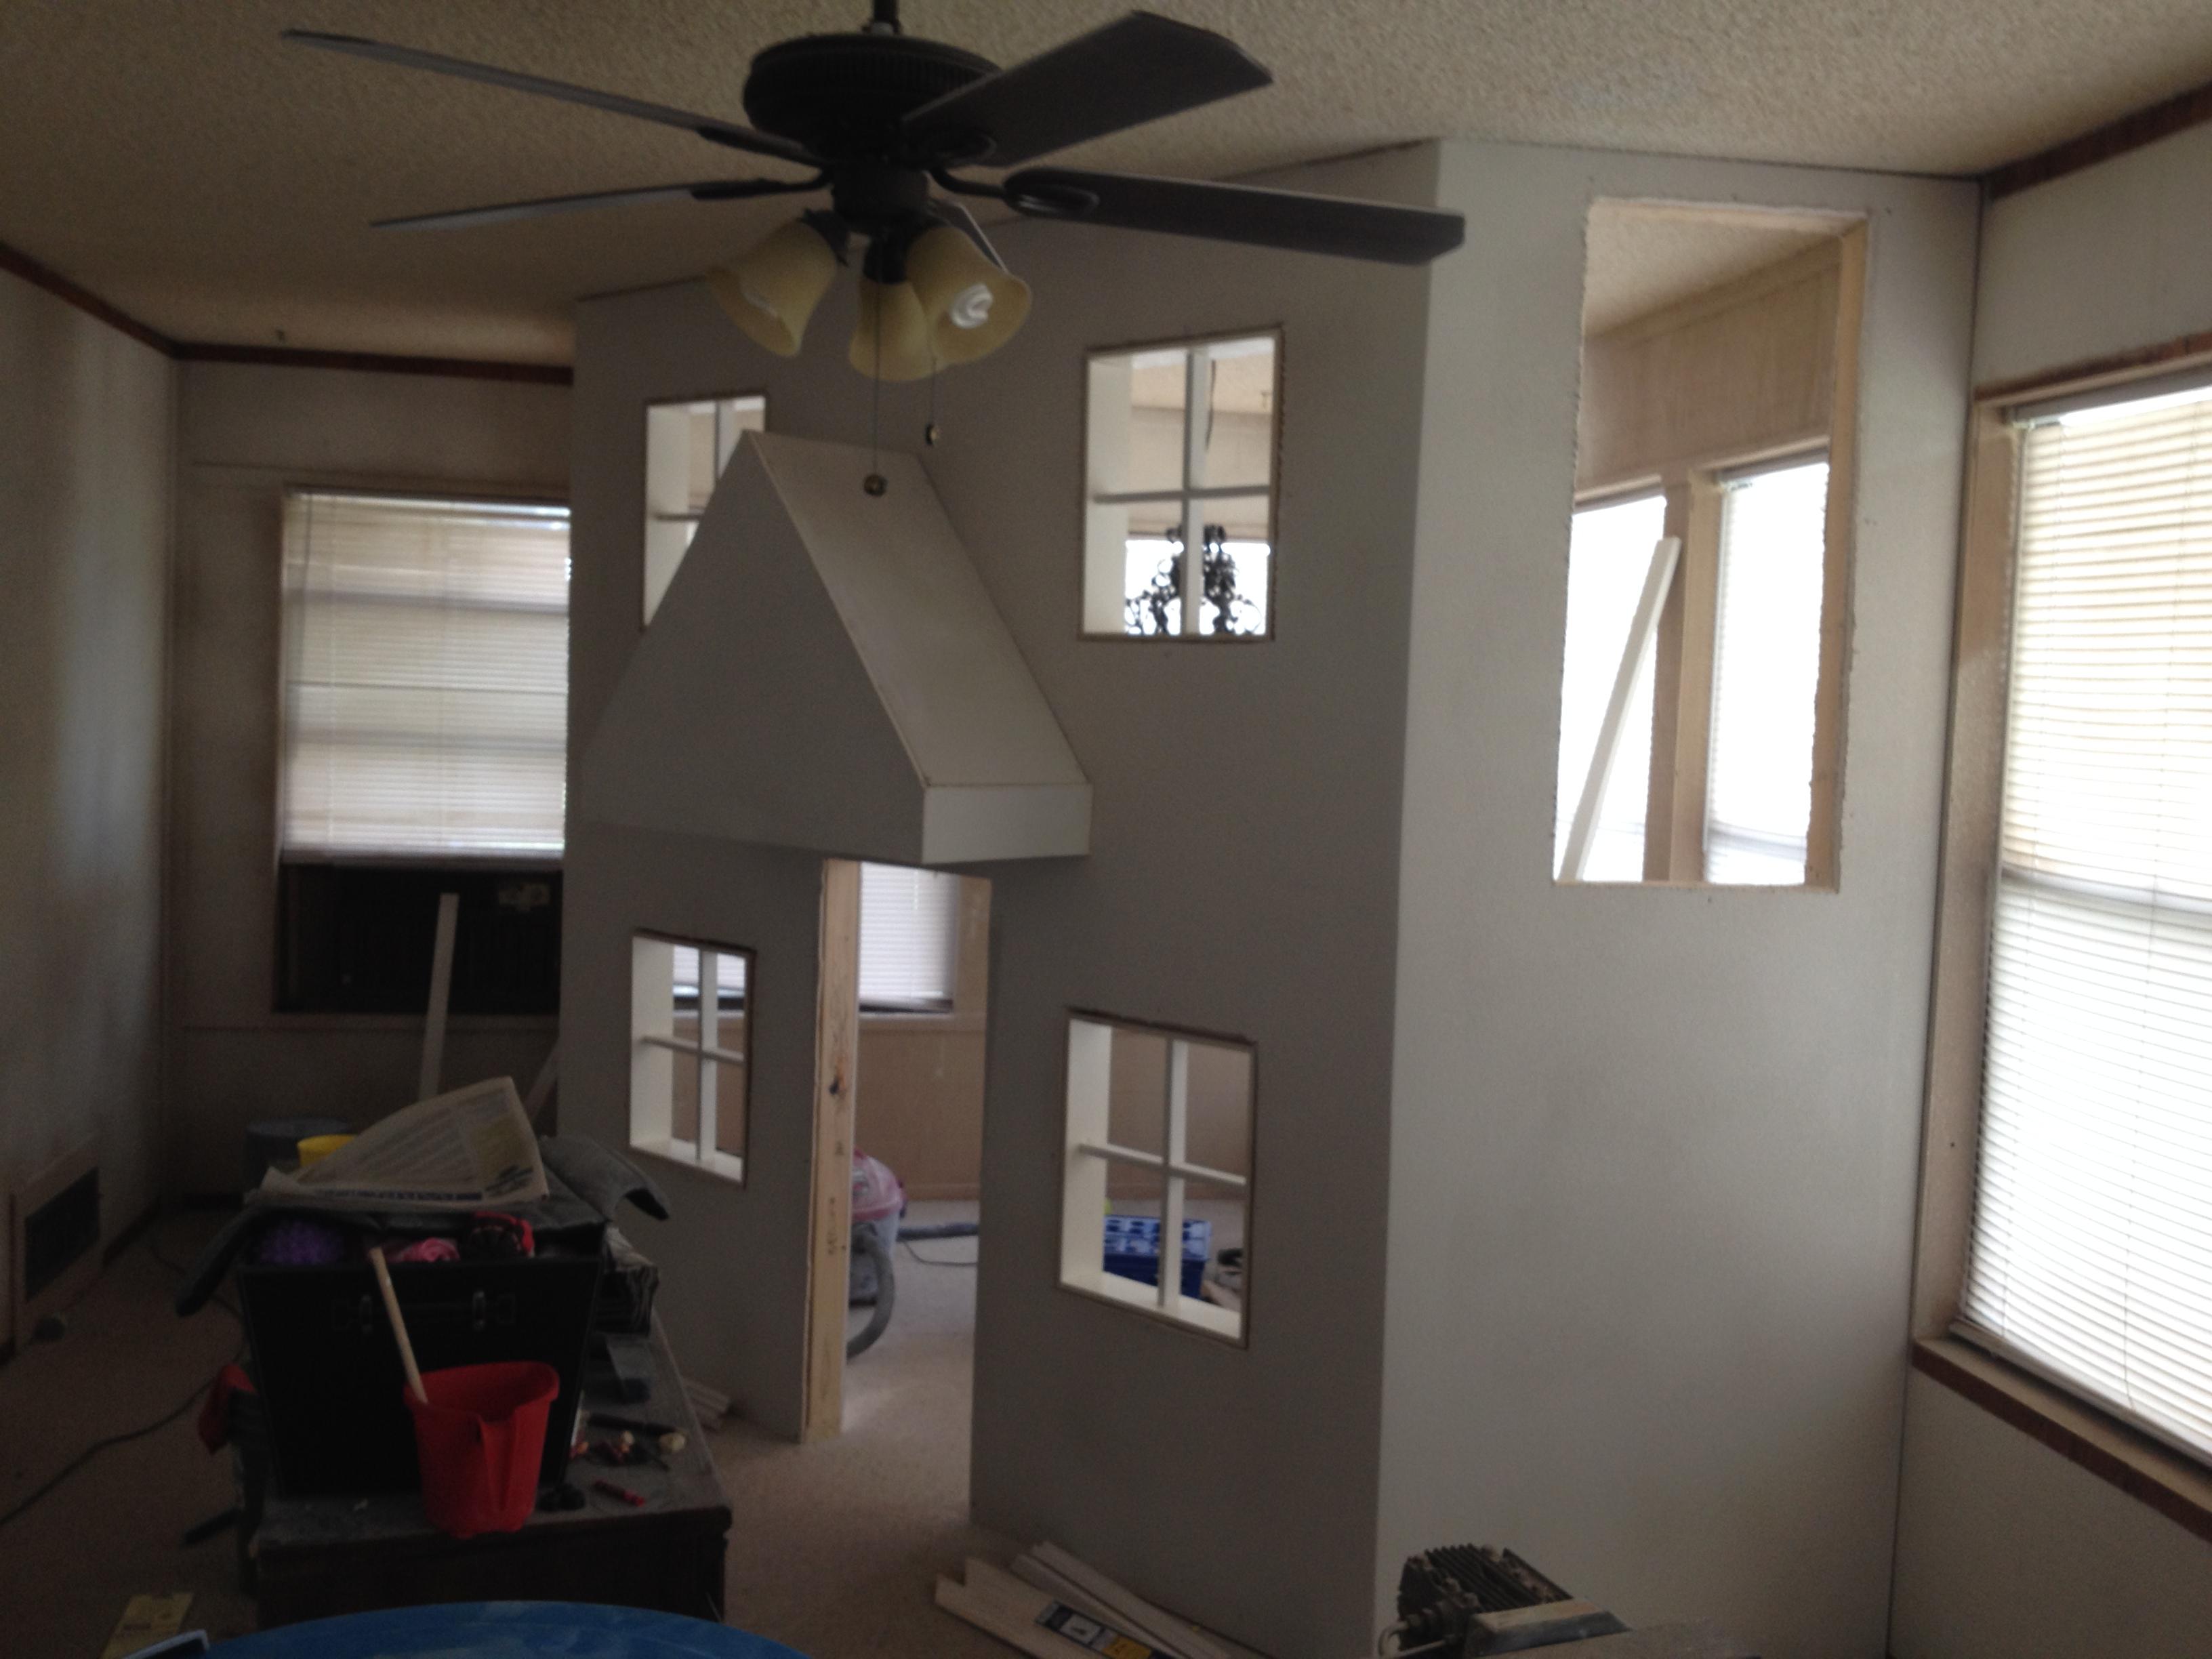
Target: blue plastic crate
{"points": [[1133, 1250]]}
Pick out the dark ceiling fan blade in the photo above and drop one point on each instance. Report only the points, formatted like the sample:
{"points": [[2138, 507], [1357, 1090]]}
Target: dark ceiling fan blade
{"points": [[1121, 76], [707, 126], [1238, 213], [710, 190]]}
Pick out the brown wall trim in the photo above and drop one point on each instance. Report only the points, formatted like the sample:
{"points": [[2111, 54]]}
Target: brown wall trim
{"points": [[22, 264], [2179, 1507], [2132, 131], [2046, 380], [371, 363]]}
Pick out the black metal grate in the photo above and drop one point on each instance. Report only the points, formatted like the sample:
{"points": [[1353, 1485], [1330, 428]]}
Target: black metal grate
{"points": [[56, 1234]]}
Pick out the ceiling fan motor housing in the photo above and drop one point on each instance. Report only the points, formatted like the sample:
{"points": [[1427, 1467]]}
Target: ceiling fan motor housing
{"points": [[843, 95]]}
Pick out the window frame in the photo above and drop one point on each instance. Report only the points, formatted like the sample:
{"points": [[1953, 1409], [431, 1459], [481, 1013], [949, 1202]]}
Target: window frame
{"points": [[1158, 1310], [2169, 1480], [647, 516], [497, 862], [1273, 492], [705, 1159]]}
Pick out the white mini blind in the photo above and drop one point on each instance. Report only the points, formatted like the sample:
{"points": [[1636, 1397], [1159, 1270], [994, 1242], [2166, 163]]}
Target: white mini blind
{"points": [[426, 676], [1766, 672], [909, 938], [1608, 556], [2091, 1252]]}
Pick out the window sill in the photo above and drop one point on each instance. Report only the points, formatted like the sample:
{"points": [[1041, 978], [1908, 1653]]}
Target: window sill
{"points": [[2175, 1486], [456, 1025], [1190, 1314], [929, 1025], [684, 1155]]}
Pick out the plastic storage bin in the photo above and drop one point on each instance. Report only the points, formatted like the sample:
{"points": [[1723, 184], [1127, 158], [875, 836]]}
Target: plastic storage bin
{"points": [[1133, 1250]]}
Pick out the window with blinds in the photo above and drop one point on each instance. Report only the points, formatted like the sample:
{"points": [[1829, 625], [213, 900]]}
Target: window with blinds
{"points": [[909, 939], [1766, 674], [1609, 549], [426, 676], [2092, 1248]]}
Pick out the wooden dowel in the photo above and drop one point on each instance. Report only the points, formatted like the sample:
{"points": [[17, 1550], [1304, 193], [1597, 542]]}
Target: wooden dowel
{"points": [[398, 1324]]}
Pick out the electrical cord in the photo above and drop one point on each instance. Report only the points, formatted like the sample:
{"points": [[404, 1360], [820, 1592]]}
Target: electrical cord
{"points": [[933, 1261], [129, 1435]]}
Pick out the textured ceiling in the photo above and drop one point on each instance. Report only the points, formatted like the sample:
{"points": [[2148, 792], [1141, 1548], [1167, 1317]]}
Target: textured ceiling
{"points": [[1642, 258], [174, 158]]}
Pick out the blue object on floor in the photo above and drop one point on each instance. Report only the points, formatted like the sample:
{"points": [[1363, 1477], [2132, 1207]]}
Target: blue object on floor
{"points": [[505, 1630], [1133, 1250]]}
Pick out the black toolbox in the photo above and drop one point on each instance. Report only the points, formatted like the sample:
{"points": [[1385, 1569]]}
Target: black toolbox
{"points": [[328, 1370]]}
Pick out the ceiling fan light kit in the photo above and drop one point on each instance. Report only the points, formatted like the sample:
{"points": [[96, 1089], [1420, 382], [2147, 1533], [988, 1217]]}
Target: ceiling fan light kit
{"points": [[879, 117], [772, 291]]}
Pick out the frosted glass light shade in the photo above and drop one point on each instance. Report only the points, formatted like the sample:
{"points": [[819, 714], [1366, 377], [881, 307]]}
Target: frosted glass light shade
{"points": [[890, 313], [772, 291], [973, 307]]}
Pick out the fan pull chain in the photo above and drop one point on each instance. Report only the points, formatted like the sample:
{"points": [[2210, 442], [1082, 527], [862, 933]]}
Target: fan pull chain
{"points": [[929, 427], [875, 483]]}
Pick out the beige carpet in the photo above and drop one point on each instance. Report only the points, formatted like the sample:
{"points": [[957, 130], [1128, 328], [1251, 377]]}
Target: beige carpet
{"points": [[835, 1549]]}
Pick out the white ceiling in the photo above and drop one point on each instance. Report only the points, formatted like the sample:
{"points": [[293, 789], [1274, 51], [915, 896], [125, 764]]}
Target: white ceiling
{"points": [[177, 159]]}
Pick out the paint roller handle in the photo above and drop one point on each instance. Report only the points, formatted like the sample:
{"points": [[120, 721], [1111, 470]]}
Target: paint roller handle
{"points": [[398, 1324]]}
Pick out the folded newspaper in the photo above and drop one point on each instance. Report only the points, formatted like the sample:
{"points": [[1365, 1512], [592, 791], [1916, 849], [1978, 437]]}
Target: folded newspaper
{"points": [[460, 1151]]}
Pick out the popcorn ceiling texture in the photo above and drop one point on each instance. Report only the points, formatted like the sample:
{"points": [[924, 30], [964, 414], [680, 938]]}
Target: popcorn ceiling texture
{"points": [[178, 160]]}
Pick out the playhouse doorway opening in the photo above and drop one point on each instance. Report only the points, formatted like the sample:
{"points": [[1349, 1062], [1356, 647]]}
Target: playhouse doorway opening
{"points": [[918, 1143]]}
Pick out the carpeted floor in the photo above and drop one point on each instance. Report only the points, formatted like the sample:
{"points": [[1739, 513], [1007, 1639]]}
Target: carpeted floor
{"points": [[835, 1550]]}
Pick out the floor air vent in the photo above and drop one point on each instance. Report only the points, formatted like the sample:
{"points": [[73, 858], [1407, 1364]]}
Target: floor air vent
{"points": [[56, 1241]]}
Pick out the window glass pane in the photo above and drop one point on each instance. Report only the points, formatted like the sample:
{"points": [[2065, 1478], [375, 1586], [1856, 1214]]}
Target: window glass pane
{"points": [[1235, 565], [909, 938], [1608, 559], [1766, 672], [2090, 1259], [426, 679], [1239, 441]]}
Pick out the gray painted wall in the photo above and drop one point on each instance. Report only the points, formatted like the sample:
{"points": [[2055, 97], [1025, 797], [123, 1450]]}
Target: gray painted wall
{"points": [[244, 434], [1654, 1149], [86, 418], [1242, 879], [2003, 1545]]}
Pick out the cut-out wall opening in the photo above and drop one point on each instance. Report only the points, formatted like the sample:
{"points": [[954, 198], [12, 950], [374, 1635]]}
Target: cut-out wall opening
{"points": [[690, 1073], [1701, 686], [1158, 1147], [1181, 450]]}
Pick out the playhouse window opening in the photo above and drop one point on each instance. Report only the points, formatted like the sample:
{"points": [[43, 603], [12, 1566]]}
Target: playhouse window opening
{"points": [[1158, 1148], [1182, 442], [687, 445], [690, 1068]]}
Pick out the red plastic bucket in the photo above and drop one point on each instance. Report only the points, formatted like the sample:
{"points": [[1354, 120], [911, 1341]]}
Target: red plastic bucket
{"points": [[480, 1440]]}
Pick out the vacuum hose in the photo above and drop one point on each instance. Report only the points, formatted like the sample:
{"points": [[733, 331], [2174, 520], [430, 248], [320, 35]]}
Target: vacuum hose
{"points": [[868, 1242]]}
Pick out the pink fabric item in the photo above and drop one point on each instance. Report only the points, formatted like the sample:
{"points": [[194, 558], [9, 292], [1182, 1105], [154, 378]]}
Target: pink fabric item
{"points": [[428, 1250]]}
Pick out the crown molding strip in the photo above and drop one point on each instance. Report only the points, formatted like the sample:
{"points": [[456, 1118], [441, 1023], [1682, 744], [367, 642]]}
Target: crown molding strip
{"points": [[20, 263], [16, 262], [372, 362], [2130, 131]]}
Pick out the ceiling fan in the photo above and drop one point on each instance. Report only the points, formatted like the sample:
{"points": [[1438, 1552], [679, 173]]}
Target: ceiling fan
{"points": [[878, 115]]}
